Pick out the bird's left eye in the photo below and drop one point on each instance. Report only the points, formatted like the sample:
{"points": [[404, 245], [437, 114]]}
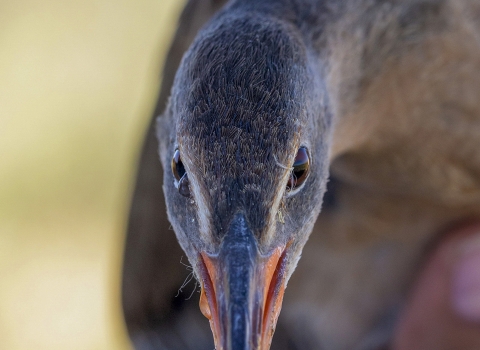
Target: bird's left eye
{"points": [[300, 170], [180, 175]]}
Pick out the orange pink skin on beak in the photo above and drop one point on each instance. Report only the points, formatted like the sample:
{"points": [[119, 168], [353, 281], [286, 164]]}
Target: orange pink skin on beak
{"points": [[272, 284]]}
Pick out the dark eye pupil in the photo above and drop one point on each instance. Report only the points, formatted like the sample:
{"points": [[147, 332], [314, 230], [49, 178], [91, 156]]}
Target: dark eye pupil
{"points": [[180, 175], [177, 166], [301, 166]]}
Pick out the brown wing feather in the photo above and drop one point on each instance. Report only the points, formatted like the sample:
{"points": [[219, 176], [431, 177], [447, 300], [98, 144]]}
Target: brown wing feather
{"points": [[407, 166]]}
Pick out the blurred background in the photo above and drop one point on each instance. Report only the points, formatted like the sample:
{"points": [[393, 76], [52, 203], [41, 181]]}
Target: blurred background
{"points": [[78, 84]]}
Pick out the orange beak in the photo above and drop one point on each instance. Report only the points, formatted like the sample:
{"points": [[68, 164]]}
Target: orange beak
{"points": [[242, 290]]}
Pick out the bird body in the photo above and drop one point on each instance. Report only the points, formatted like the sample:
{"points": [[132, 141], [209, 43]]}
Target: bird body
{"points": [[384, 95], [405, 159]]}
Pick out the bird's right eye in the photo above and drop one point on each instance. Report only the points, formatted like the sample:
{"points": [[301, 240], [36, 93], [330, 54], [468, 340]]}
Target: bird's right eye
{"points": [[180, 175], [300, 169]]}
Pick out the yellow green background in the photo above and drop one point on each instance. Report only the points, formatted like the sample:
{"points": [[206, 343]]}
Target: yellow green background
{"points": [[78, 81]]}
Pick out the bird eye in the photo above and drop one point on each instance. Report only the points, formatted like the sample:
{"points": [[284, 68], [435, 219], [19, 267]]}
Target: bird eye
{"points": [[180, 175], [300, 171]]}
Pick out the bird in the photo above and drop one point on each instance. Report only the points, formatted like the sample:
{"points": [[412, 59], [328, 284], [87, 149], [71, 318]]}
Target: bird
{"points": [[277, 106]]}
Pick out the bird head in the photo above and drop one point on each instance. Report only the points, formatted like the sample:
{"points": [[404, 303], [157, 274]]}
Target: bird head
{"points": [[244, 144]]}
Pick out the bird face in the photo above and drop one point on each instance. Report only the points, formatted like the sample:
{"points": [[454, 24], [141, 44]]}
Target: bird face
{"points": [[244, 146]]}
